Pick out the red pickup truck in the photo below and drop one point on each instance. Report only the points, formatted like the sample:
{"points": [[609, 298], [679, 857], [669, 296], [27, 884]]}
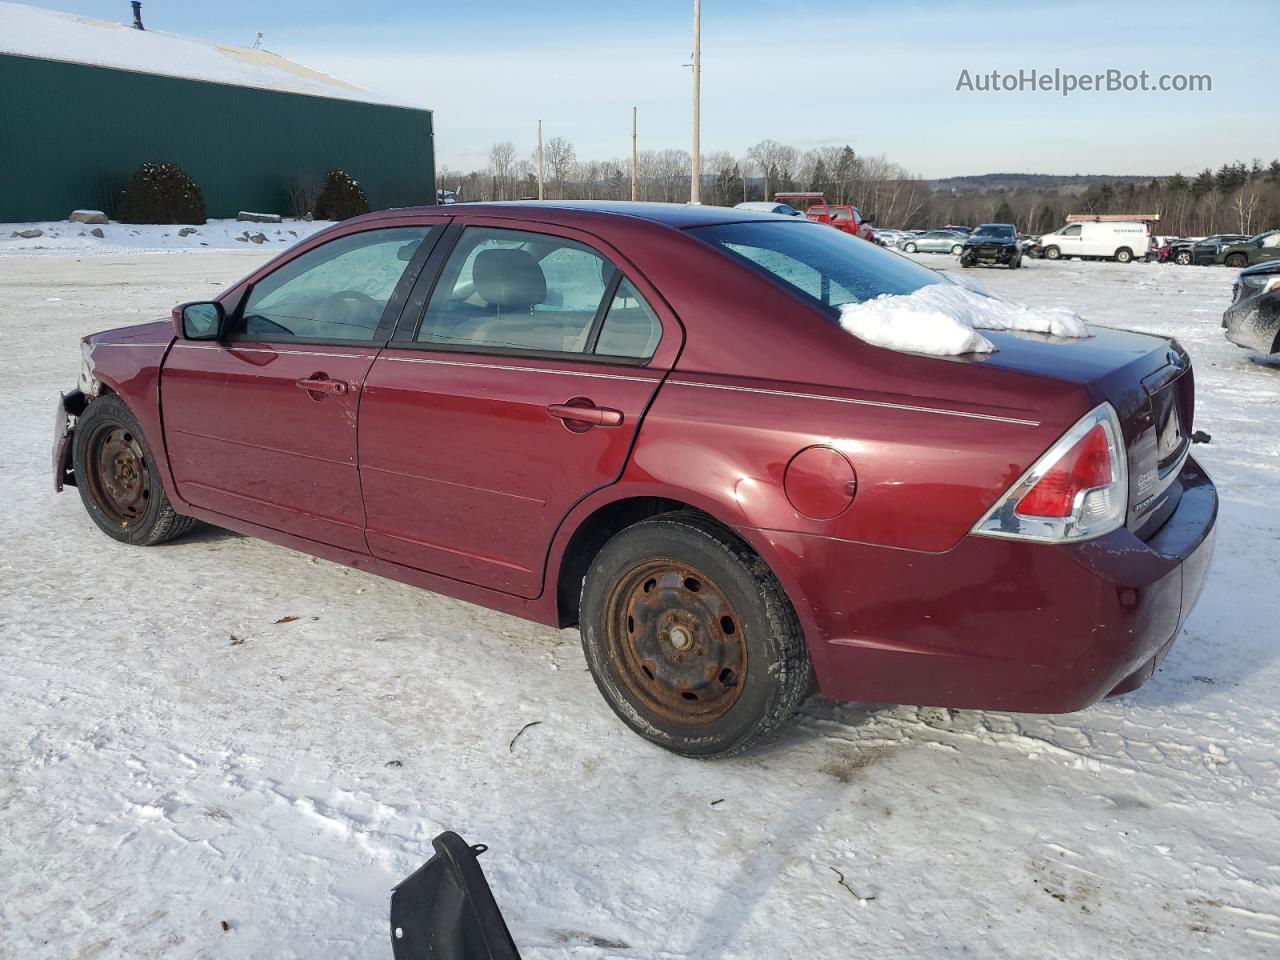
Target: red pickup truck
{"points": [[842, 216]]}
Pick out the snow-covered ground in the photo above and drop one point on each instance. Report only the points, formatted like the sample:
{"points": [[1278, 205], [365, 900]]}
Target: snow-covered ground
{"points": [[174, 756], [64, 237]]}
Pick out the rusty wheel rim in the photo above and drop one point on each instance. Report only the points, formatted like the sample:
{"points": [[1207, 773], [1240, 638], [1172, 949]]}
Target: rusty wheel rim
{"points": [[119, 480], [676, 641]]}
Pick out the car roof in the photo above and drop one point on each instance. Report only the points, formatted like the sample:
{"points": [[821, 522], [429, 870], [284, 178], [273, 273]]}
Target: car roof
{"points": [[679, 215]]}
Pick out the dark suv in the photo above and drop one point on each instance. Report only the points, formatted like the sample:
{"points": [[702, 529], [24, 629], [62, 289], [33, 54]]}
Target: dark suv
{"points": [[1257, 249], [992, 243]]}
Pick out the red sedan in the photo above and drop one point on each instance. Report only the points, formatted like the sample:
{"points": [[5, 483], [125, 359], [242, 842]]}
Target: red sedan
{"points": [[646, 419]]}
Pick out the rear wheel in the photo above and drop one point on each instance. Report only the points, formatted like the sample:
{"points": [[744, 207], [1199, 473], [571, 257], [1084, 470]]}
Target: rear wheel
{"points": [[1052, 253], [117, 477], [956, 249], [1236, 260], [690, 637], [1124, 255]]}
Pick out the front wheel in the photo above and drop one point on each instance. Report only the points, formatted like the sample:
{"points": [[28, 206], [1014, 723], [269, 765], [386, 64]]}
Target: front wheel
{"points": [[909, 248], [690, 638], [117, 477], [1182, 259], [1052, 253]]}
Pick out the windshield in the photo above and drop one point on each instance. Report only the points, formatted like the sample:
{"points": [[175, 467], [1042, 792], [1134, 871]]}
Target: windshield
{"points": [[827, 266], [994, 230]]}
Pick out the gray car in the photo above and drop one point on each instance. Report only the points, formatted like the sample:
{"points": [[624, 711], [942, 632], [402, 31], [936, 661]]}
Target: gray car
{"points": [[933, 241]]}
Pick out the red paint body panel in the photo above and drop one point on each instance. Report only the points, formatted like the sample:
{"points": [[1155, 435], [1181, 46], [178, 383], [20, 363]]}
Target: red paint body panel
{"points": [[445, 469], [465, 472], [244, 440]]}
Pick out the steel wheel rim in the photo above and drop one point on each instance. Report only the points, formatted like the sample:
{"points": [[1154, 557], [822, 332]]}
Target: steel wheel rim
{"points": [[118, 478], [676, 642]]}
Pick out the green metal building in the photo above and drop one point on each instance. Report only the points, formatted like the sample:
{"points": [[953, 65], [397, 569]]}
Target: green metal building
{"points": [[83, 103]]}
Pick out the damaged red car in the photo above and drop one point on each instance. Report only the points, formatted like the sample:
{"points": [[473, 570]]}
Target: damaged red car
{"points": [[646, 419]]}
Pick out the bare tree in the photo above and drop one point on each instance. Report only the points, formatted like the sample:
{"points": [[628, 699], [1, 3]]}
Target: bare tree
{"points": [[560, 158], [502, 158]]}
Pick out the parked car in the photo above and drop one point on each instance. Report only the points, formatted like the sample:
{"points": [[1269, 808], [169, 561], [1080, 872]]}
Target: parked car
{"points": [[992, 243], [889, 238], [1121, 241], [842, 216], [1201, 252], [957, 228], [1257, 249], [764, 206], [935, 241], [1253, 319], [646, 419]]}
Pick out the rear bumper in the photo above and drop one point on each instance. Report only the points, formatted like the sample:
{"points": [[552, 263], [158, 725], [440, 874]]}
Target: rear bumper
{"points": [[1254, 323], [1000, 624]]}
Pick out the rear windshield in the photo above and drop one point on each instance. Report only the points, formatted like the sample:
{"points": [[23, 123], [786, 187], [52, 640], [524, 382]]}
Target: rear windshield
{"points": [[827, 266]]}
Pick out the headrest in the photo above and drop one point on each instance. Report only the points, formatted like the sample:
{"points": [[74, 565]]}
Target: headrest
{"points": [[510, 279]]}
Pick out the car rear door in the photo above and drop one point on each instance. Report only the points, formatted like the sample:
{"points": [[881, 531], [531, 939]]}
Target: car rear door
{"points": [[262, 426], [513, 393]]}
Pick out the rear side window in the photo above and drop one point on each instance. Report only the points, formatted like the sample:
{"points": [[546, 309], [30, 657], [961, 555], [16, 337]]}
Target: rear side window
{"points": [[335, 292], [631, 328], [828, 266]]}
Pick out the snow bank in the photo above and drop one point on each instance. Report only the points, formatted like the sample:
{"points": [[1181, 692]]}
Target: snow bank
{"points": [[63, 237], [943, 319]]}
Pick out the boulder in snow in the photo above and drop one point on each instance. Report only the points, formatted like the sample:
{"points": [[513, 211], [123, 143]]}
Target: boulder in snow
{"points": [[87, 216], [97, 232], [27, 234], [248, 217], [187, 231], [259, 238]]}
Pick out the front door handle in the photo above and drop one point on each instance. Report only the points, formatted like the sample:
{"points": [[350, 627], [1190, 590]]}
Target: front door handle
{"points": [[319, 383], [596, 416]]}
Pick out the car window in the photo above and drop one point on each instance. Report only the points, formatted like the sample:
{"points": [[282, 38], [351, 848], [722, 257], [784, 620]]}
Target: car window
{"points": [[631, 328], [829, 266], [841, 215], [508, 289], [1072, 231], [1271, 240], [336, 291]]}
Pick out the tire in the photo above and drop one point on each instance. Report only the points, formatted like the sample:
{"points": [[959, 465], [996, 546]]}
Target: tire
{"points": [[1052, 253], [1183, 258], [967, 260], [1236, 261], [1124, 255], [130, 505], [1016, 262], [715, 661], [909, 248], [956, 250]]}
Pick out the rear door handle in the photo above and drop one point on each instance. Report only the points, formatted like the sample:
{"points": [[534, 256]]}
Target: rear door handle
{"points": [[319, 384], [596, 416]]}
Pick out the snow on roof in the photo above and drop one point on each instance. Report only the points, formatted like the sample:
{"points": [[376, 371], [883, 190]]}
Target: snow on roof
{"points": [[28, 31]]}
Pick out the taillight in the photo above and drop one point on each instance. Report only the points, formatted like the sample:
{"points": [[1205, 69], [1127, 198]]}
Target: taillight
{"points": [[1078, 489]]}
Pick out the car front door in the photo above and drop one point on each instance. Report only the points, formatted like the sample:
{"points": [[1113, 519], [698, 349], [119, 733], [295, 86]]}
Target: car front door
{"points": [[261, 427], [516, 392], [1071, 240]]}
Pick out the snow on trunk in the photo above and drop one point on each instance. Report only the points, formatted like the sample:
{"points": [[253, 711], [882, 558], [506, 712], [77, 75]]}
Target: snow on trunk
{"points": [[943, 319]]}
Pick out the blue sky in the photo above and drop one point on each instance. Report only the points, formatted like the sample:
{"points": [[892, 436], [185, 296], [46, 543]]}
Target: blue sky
{"points": [[879, 76]]}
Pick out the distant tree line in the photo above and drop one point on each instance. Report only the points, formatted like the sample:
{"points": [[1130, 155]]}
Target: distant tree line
{"points": [[1237, 198]]}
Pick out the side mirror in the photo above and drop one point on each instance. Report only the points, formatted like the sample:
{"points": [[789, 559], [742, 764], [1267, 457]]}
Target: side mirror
{"points": [[870, 219], [202, 321]]}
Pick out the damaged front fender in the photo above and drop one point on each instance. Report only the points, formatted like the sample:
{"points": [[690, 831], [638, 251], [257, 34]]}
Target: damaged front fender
{"points": [[70, 406]]}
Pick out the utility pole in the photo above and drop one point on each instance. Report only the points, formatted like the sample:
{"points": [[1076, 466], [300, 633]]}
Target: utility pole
{"points": [[540, 165], [695, 178], [633, 155]]}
